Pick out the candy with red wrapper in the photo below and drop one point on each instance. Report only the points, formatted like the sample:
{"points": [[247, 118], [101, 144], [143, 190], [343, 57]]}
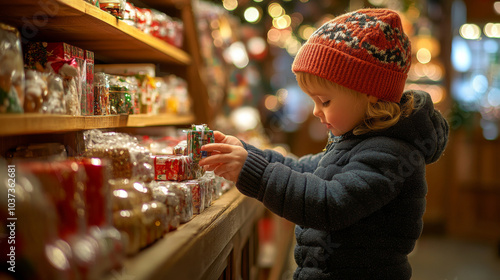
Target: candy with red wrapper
{"points": [[62, 181], [97, 191], [36, 237], [173, 168]]}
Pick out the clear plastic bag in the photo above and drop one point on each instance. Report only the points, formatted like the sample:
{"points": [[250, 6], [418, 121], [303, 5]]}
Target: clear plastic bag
{"points": [[129, 159], [54, 103], [35, 91], [198, 191], [183, 193], [120, 97], [11, 72], [101, 94]]}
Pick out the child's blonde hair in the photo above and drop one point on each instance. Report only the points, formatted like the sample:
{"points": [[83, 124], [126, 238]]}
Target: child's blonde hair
{"points": [[379, 115]]}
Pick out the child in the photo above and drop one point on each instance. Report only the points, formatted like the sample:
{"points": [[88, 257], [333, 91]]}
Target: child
{"points": [[358, 205]]}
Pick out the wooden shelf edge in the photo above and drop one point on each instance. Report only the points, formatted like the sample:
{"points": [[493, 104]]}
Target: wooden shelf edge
{"points": [[19, 124]]}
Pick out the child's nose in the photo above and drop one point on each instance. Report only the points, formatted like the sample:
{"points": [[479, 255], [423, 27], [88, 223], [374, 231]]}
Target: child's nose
{"points": [[317, 112]]}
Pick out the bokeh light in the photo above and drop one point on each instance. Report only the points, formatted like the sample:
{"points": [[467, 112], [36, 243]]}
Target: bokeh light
{"points": [[424, 55], [282, 22], [461, 57], [492, 30], [230, 5], [470, 31], [275, 10], [252, 14], [305, 31], [256, 46]]}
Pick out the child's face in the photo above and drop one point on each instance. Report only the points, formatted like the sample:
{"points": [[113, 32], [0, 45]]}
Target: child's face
{"points": [[340, 110]]}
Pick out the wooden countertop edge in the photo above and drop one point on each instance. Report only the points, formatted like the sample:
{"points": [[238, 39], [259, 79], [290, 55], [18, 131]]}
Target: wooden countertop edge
{"points": [[191, 250]]}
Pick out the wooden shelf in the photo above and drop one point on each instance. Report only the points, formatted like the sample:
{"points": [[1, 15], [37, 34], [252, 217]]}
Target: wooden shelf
{"points": [[86, 26], [18, 124], [198, 249]]}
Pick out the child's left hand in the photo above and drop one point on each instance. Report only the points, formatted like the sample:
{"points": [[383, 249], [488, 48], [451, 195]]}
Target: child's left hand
{"points": [[226, 160]]}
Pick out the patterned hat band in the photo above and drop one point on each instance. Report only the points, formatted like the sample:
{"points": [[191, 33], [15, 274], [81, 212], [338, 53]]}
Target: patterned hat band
{"points": [[366, 51]]}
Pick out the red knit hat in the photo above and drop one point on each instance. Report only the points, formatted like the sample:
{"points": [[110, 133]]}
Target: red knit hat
{"points": [[365, 50]]}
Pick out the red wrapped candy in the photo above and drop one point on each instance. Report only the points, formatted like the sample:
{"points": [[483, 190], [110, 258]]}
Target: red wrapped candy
{"points": [[62, 182], [173, 168]]}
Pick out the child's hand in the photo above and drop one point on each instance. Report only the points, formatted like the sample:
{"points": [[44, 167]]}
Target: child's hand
{"points": [[226, 160], [226, 139]]}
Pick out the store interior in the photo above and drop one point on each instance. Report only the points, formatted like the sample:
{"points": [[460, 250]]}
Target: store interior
{"points": [[105, 104]]}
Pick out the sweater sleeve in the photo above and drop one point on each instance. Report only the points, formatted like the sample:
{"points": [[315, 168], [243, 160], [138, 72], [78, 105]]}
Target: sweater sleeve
{"points": [[366, 183], [307, 163]]}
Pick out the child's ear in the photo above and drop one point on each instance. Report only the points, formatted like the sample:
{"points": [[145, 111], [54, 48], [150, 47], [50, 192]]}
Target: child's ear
{"points": [[372, 99]]}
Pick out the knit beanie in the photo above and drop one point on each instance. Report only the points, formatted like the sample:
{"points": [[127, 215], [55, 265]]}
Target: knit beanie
{"points": [[365, 50]]}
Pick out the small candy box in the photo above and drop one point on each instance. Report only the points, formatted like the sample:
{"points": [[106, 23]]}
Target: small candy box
{"points": [[173, 168], [181, 148], [198, 191], [198, 136]]}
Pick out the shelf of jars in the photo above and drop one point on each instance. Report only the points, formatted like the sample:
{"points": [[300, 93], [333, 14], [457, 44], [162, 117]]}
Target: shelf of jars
{"points": [[86, 26], [31, 123]]}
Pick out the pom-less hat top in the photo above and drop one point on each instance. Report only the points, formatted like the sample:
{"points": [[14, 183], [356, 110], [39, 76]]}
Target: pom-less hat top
{"points": [[365, 50]]}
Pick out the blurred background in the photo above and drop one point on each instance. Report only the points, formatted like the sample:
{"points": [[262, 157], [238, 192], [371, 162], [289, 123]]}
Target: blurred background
{"points": [[455, 46]]}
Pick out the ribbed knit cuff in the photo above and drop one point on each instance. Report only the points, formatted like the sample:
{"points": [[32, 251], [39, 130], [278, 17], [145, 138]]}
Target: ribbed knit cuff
{"points": [[250, 179], [251, 148]]}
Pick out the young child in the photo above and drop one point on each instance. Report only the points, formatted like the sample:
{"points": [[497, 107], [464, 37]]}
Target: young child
{"points": [[358, 205]]}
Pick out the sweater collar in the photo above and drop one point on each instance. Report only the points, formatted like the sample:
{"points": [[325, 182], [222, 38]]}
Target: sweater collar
{"points": [[332, 139]]}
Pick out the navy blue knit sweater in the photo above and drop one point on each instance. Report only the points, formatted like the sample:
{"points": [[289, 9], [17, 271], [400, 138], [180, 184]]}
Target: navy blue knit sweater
{"points": [[358, 206]]}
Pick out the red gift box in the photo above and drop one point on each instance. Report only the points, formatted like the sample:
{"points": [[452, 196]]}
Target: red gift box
{"points": [[58, 51], [173, 168]]}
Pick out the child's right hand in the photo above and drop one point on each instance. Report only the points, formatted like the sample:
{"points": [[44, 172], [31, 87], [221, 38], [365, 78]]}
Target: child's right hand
{"points": [[226, 139], [226, 160]]}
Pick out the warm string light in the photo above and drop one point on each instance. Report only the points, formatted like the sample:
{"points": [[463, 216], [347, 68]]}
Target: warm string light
{"points": [[492, 30], [230, 5], [470, 31], [252, 14]]}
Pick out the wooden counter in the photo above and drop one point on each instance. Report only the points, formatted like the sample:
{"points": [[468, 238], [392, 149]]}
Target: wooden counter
{"points": [[220, 243]]}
